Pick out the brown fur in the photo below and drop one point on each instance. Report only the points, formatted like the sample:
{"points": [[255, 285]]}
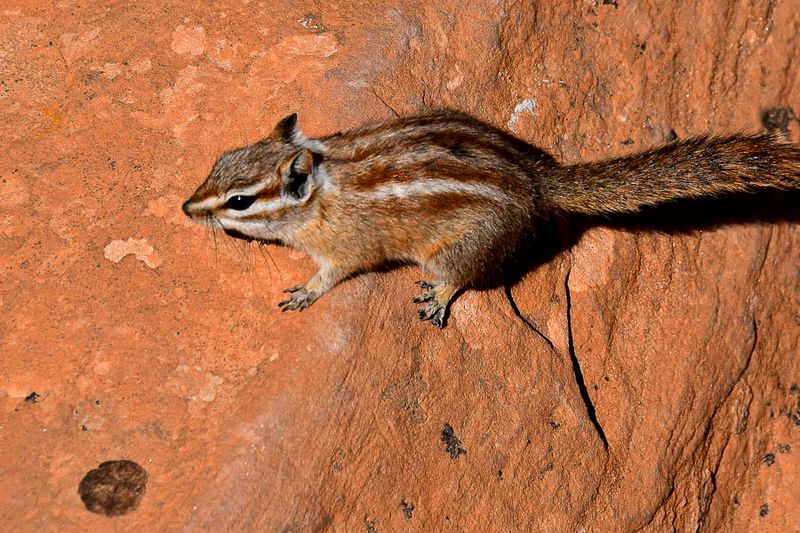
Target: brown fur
{"points": [[452, 194]]}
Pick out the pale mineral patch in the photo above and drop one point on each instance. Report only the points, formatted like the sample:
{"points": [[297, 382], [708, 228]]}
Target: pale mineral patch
{"points": [[455, 80], [142, 65], [116, 251], [223, 54], [307, 45], [168, 208], [193, 383], [111, 70], [185, 84], [14, 191], [189, 40], [72, 44]]}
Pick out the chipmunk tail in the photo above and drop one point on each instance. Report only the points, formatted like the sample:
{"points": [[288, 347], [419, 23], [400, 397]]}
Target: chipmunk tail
{"points": [[697, 167]]}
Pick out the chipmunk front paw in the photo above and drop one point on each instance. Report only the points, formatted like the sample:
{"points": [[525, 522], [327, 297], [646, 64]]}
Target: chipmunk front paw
{"points": [[436, 303], [300, 298]]}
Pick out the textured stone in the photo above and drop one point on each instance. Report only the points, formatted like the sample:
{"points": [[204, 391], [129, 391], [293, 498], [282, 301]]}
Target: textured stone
{"points": [[682, 327]]}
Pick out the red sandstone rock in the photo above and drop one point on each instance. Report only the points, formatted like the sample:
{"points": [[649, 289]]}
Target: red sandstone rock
{"points": [[175, 356]]}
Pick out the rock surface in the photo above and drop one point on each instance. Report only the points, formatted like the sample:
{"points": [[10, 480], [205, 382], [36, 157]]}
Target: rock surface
{"points": [[667, 396]]}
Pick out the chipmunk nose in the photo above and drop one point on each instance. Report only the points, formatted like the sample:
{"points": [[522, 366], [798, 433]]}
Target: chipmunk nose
{"points": [[189, 208]]}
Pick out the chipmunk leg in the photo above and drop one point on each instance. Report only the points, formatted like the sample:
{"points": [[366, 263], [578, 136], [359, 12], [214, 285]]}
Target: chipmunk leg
{"points": [[303, 295], [437, 298]]}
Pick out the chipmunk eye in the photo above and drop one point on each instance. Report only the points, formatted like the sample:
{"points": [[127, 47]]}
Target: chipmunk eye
{"points": [[240, 202]]}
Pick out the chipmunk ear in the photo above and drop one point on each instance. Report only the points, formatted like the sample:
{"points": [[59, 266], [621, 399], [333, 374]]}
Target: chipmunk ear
{"points": [[296, 175], [285, 129]]}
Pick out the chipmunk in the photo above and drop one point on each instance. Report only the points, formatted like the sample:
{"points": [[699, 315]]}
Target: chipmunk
{"points": [[450, 193]]}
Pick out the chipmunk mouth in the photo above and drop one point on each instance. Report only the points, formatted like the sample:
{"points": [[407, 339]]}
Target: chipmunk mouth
{"points": [[237, 235]]}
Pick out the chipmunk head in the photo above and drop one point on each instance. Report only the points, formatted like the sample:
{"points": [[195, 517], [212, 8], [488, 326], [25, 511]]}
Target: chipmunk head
{"points": [[262, 191]]}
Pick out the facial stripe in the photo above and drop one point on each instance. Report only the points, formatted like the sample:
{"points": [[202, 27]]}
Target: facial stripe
{"points": [[253, 190], [207, 204], [245, 227]]}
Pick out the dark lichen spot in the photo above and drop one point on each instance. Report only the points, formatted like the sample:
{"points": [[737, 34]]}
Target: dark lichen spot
{"points": [[769, 459], [33, 397], [500, 475], [370, 525], [84, 428], [452, 444], [784, 448], [763, 510], [545, 470], [408, 509], [114, 488], [627, 142], [555, 425], [794, 389], [778, 118], [611, 3]]}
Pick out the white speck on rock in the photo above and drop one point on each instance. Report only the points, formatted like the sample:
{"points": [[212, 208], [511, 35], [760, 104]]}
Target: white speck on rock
{"points": [[526, 106]]}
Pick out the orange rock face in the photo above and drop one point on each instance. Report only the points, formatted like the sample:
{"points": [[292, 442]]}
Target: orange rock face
{"points": [[661, 390]]}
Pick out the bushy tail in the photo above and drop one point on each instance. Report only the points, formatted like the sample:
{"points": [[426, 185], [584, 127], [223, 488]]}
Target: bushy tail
{"points": [[697, 167]]}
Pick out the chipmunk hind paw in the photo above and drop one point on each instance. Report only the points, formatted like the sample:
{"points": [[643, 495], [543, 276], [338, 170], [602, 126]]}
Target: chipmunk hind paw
{"points": [[437, 298]]}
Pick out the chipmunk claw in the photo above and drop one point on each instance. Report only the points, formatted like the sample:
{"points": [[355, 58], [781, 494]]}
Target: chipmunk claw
{"points": [[426, 296], [434, 312], [294, 289], [300, 299]]}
